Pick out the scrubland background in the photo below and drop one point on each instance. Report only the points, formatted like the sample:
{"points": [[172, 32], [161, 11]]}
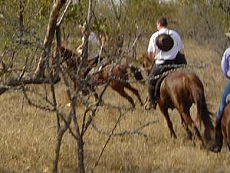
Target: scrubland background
{"points": [[27, 134]]}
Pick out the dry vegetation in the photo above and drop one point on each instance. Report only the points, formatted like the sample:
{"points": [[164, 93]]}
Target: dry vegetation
{"points": [[28, 134]]}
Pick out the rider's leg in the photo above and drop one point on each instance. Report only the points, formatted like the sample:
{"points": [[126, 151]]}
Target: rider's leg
{"points": [[218, 134], [153, 77]]}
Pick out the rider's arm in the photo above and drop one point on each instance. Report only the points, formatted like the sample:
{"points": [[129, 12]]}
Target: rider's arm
{"points": [[151, 48], [225, 63], [179, 41]]}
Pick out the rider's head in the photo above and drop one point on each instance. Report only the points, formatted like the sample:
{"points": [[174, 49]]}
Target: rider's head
{"points": [[161, 22]]}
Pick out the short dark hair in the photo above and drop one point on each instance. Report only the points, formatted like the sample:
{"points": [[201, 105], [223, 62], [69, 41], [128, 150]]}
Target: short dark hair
{"points": [[162, 21]]}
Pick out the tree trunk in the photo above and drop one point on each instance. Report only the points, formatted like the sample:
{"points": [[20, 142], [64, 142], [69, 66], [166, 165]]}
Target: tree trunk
{"points": [[58, 4], [58, 147], [60, 134], [80, 154]]}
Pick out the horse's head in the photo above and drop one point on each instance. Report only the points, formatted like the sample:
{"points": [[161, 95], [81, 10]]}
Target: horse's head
{"points": [[136, 72]]}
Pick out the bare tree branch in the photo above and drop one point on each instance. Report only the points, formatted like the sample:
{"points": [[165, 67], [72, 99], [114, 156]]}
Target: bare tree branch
{"points": [[107, 141], [87, 33], [26, 79], [60, 19], [43, 62], [126, 132]]}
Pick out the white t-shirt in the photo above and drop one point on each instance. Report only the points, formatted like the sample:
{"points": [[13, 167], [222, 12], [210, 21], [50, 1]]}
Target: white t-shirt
{"points": [[93, 45], [160, 55]]}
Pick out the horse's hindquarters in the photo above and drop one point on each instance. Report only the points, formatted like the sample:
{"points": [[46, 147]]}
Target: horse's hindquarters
{"points": [[225, 123]]}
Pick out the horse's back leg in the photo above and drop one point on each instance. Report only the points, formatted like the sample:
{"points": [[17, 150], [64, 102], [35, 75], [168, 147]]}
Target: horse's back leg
{"points": [[121, 91], [185, 125], [188, 120], [169, 122], [135, 91]]}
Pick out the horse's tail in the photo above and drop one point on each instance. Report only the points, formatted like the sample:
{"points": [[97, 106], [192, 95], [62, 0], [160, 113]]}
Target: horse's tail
{"points": [[204, 115], [136, 72]]}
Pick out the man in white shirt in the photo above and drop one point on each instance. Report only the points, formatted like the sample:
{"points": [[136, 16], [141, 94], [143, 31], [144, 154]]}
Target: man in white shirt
{"points": [[165, 47]]}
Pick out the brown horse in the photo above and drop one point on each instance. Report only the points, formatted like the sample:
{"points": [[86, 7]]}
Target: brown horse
{"points": [[120, 76], [180, 90], [225, 124], [119, 72], [73, 61]]}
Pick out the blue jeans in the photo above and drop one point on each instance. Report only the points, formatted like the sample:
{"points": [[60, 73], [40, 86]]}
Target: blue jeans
{"points": [[223, 102]]}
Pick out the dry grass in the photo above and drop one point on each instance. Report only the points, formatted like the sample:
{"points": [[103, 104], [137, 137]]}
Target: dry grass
{"points": [[28, 134]]}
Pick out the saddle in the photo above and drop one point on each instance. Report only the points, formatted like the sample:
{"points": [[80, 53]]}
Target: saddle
{"points": [[180, 60]]}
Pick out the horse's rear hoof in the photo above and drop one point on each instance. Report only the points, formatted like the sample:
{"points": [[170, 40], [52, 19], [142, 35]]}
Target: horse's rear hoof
{"points": [[215, 148], [173, 135]]}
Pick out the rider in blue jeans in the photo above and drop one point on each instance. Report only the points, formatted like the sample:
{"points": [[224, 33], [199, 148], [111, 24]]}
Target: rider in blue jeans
{"points": [[225, 66]]}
